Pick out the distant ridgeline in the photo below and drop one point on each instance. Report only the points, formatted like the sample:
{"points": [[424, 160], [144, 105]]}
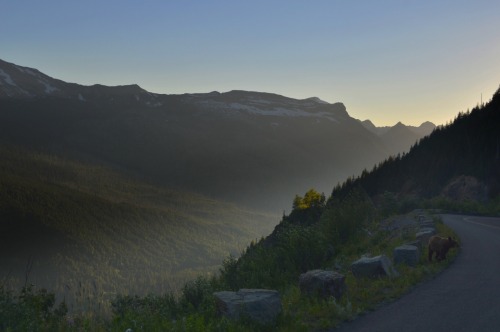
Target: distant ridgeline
{"points": [[460, 161], [251, 148]]}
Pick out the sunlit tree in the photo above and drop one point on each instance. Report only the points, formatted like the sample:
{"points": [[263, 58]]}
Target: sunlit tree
{"points": [[311, 199]]}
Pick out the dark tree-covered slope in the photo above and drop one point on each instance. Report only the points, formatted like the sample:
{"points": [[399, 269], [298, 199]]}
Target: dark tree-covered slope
{"points": [[469, 146]]}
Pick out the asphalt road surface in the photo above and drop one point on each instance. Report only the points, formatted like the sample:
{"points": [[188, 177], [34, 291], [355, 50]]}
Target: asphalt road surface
{"points": [[465, 297]]}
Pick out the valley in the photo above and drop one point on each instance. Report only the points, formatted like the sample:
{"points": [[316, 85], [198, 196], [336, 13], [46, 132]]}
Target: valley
{"points": [[254, 149], [121, 189], [67, 225]]}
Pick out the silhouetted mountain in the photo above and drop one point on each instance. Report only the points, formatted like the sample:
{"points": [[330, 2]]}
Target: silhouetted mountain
{"points": [[424, 129], [369, 125], [254, 148], [399, 138], [465, 153]]}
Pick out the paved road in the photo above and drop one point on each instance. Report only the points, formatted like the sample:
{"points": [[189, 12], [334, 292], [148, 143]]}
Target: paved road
{"points": [[465, 297]]}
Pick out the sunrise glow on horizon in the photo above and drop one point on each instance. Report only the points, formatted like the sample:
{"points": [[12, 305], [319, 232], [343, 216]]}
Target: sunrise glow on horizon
{"points": [[387, 61]]}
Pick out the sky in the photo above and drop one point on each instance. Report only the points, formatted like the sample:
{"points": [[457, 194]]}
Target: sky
{"points": [[387, 61]]}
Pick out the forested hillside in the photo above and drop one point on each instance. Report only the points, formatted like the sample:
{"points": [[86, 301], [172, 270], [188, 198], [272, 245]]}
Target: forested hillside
{"points": [[66, 225], [469, 146]]}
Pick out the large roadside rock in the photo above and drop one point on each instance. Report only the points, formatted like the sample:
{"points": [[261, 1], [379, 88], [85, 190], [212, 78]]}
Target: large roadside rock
{"points": [[425, 234], [322, 283], [260, 305], [416, 243], [406, 254], [372, 267], [427, 224]]}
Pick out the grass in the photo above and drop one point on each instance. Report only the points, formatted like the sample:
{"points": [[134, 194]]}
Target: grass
{"points": [[194, 308], [364, 294]]}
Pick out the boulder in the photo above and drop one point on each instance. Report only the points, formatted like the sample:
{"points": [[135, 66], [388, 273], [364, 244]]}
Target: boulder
{"points": [[427, 224], [322, 283], [371, 267], [415, 243], [406, 254], [425, 234], [260, 305], [427, 229]]}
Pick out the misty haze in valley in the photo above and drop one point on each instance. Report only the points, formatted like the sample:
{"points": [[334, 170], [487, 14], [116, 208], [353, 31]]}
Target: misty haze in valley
{"points": [[254, 149], [124, 189]]}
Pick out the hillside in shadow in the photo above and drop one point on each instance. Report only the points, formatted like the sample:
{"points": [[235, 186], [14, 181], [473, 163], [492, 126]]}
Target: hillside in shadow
{"points": [[80, 224]]}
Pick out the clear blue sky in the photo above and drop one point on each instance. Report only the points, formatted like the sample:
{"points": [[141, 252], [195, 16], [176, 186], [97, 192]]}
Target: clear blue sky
{"points": [[388, 61]]}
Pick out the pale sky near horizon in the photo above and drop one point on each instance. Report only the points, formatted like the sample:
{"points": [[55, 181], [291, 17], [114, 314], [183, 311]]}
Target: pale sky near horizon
{"points": [[387, 61]]}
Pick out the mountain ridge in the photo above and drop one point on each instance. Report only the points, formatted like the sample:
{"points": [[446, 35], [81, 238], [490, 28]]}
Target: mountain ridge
{"points": [[60, 88], [424, 129], [253, 148]]}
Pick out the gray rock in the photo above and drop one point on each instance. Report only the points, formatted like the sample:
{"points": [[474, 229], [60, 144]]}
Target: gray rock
{"points": [[427, 229], [260, 305], [407, 254], [427, 224], [373, 267], [424, 235], [416, 243], [322, 283]]}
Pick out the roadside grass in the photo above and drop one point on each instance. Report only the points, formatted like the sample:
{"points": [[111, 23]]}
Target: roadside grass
{"points": [[364, 294], [194, 309]]}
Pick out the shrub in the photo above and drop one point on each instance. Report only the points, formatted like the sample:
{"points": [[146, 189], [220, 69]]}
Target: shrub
{"points": [[30, 310]]}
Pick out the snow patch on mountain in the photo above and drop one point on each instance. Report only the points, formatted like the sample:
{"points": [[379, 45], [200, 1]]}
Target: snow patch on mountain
{"points": [[29, 71], [268, 110], [32, 72], [317, 100], [6, 78], [48, 88]]}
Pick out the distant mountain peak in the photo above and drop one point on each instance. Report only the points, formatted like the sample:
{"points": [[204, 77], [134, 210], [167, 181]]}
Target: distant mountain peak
{"points": [[428, 126], [128, 88], [317, 100], [399, 124], [368, 122], [427, 123], [24, 82], [27, 83]]}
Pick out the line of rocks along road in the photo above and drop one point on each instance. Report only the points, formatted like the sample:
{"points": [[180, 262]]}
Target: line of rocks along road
{"points": [[465, 297]]}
